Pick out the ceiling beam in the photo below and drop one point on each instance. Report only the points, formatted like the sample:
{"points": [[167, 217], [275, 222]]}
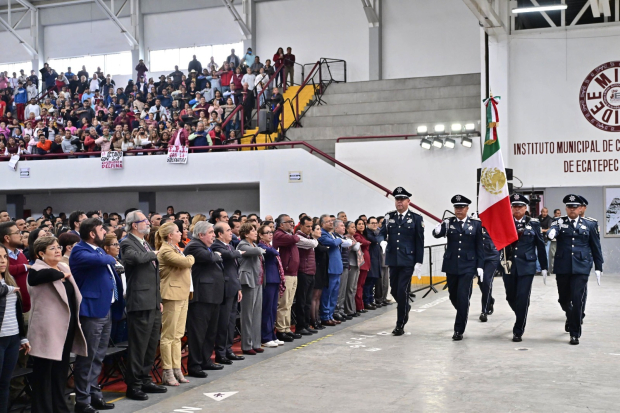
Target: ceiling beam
{"points": [[110, 13], [544, 14], [245, 30], [486, 15], [24, 43]]}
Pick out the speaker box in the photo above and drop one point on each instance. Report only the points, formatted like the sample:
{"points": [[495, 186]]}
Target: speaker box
{"points": [[265, 121]]}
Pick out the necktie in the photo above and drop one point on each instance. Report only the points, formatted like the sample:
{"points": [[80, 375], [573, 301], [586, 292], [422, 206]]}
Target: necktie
{"points": [[230, 249], [400, 219], [461, 225], [572, 221], [148, 248]]}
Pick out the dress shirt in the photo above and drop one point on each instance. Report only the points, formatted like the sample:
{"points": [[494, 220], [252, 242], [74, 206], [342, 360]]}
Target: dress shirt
{"points": [[98, 249]]}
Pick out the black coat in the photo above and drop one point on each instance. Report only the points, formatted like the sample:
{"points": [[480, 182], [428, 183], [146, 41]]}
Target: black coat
{"points": [[142, 276], [207, 273], [4, 290], [231, 266]]}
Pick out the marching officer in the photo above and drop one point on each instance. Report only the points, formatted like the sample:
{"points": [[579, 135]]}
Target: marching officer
{"points": [[404, 232], [520, 265], [463, 259], [579, 247], [491, 264], [582, 214]]}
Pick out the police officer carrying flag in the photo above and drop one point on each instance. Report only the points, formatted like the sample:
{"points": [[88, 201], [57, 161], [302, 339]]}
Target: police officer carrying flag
{"points": [[520, 263], [578, 247], [404, 232], [463, 259]]}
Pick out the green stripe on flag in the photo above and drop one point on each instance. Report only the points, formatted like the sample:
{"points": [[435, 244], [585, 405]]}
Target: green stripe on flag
{"points": [[491, 144]]}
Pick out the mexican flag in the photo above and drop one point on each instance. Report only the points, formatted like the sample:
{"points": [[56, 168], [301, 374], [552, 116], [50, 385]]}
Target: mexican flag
{"points": [[493, 201]]}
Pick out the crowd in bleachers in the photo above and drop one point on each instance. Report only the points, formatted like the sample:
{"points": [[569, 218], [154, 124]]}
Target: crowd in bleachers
{"points": [[84, 112]]}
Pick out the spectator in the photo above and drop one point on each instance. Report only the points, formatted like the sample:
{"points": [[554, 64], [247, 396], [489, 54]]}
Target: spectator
{"points": [[100, 286], [141, 69], [251, 277], [250, 79], [233, 60], [359, 236], [67, 241], [340, 232], [289, 66], [174, 270], [20, 100], [321, 280], [209, 294], [273, 287], [260, 82], [256, 65], [278, 61], [54, 332], [44, 145], [216, 136], [376, 258], [329, 297], [194, 64], [305, 277], [11, 239], [348, 287], [144, 307], [277, 103], [32, 108]]}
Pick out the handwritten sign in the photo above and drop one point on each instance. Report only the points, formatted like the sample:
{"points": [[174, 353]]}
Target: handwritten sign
{"points": [[111, 160], [177, 154]]}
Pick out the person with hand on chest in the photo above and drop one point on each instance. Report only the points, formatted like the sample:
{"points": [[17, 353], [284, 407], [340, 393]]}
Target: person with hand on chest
{"points": [[463, 260], [520, 263], [404, 232], [578, 247]]}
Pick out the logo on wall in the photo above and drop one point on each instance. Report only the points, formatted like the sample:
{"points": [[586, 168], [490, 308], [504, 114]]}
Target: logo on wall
{"points": [[599, 97]]}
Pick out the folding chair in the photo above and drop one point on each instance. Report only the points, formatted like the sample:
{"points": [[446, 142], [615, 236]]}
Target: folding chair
{"points": [[21, 372]]}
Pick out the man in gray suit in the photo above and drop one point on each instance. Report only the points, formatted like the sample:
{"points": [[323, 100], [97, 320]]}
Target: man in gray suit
{"points": [[144, 307], [204, 308]]}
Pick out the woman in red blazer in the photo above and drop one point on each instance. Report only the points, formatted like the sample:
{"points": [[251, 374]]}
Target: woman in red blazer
{"points": [[360, 227], [278, 61]]}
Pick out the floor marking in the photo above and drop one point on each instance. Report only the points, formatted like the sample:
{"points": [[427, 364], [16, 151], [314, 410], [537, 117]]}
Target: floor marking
{"points": [[614, 354], [373, 349], [383, 333], [186, 409], [430, 305], [522, 349], [115, 400], [311, 342], [219, 396]]}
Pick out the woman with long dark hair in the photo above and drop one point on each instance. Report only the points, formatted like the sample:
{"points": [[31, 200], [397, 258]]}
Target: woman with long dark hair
{"points": [[278, 61], [360, 230]]}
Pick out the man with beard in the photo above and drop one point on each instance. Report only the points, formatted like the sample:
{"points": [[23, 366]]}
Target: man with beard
{"points": [[100, 286]]}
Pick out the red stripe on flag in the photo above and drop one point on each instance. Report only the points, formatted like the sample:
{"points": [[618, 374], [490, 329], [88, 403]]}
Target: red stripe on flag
{"points": [[499, 223]]}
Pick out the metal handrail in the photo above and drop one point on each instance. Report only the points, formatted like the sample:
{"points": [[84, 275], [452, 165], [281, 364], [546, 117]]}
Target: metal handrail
{"points": [[230, 117], [311, 148], [265, 88], [302, 86], [431, 285], [345, 138]]}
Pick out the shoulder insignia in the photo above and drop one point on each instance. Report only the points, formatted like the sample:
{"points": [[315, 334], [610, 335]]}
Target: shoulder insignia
{"points": [[590, 219], [534, 219], [415, 213], [390, 212], [474, 218]]}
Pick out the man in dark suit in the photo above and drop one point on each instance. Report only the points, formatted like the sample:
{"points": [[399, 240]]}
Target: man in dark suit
{"points": [[204, 308], [100, 286], [228, 311], [144, 307]]}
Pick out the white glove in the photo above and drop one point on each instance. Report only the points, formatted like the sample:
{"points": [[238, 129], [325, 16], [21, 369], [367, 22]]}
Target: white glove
{"points": [[544, 274], [551, 233], [417, 270], [437, 229], [598, 276], [480, 273]]}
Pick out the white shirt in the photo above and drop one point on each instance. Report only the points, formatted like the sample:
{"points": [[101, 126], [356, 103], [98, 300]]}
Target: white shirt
{"points": [[94, 84], [109, 268]]}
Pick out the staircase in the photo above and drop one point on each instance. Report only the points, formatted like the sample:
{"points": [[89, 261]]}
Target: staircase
{"points": [[389, 107]]}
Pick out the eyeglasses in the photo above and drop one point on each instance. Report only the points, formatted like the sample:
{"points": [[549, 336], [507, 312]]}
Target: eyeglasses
{"points": [[139, 222], [289, 222], [114, 245], [267, 232], [15, 233]]}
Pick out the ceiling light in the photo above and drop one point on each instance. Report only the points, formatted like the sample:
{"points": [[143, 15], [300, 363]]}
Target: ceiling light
{"points": [[422, 129], [440, 128], [539, 8], [438, 143], [426, 143], [470, 126], [449, 143], [466, 142], [456, 127]]}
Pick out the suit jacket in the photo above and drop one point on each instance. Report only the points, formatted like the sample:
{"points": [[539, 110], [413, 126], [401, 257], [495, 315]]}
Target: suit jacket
{"points": [[523, 251], [465, 249], [405, 241], [250, 264], [94, 279], [207, 273], [175, 273], [142, 274], [577, 248], [335, 257], [230, 259]]}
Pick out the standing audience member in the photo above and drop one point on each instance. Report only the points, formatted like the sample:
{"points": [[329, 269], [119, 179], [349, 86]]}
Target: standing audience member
{"points": [[341, 232], [321, 255], [329, 297], [273, 287], [144, 307], [11, 238], [100, 286], [305, 276], [289, 66], [55, 330], [356, 258], [360, 227], [376, 258], [175, 274]]}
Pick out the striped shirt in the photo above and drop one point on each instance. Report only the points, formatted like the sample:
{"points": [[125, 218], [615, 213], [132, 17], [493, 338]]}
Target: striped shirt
{"points": [[9, 323]]}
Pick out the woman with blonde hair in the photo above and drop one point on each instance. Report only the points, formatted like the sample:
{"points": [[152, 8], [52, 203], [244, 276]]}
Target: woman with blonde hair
{"points": [[175, 286], [197, 218]]}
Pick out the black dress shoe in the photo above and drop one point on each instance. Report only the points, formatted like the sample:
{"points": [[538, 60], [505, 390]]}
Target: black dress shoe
{"points": [[369, 307], [100, 404], [398, 331], [312, 330], [84, 408], [153, 388], [284, 337], [457, 336], [304, 332], [348, 317], [363, 310], [574, 340], [225, 360], [136, 394], [483, 317], [566, 328], [412, 295], [517, 339], [197, 373], [212, 366], [294, 335], [388, 302], [354, 315], [233, 356], [338, 317]]}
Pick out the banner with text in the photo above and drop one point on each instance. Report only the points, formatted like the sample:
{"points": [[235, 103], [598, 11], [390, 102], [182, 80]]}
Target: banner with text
{"points": [[111, 160], [177, 154]]}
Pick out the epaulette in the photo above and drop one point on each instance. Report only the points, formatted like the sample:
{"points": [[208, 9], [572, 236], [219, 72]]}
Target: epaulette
{"points": [[534, 219], [590, 219], [474, 218], [417, 213], [390, 212]]}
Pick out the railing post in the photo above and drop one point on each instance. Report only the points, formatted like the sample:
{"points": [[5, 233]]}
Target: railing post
{"points": [[320, 77], [242, 120], [258, 104]]}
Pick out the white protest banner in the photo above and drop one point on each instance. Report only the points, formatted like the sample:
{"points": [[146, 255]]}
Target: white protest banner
{"points": [[13, 162], [177, 154], [111, 160]]}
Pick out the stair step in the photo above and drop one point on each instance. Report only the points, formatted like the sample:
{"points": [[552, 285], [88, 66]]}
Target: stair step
{"points": [[401, 84], [406, 94], [425, 117]]}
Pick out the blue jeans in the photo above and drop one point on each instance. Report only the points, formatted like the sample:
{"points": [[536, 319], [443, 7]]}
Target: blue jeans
{"points": [[369, 292], [329, 298], [9, 351]]}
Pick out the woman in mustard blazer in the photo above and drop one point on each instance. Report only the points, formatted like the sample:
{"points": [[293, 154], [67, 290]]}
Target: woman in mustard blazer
{"points": [[175, 273]]}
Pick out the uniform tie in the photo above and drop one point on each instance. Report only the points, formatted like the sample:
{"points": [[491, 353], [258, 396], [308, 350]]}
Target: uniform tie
{"points": [[400, 219], [460, 224], [572, 221]]}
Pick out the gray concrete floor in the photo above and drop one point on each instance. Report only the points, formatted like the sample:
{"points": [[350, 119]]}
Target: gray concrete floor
{"points": [[360, 367]]}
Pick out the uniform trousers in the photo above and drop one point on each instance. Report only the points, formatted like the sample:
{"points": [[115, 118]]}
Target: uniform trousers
{"points": [[348, 290], [305, 283], [518, 290], [329, 297], [251, 311], [486, 286], [144, 329], [86, 370], [553, 246], [385, 283], [459, 289], [226, 323], [270, 307], [572, 292], [172, 331], [283, 318], [400, 283], [202, 327], [359, 293]]}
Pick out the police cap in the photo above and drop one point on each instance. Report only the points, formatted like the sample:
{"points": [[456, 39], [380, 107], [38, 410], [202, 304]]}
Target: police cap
{"points": [[584, 201], [401, 192], [460, 201], [519, 200], [572, 200]]}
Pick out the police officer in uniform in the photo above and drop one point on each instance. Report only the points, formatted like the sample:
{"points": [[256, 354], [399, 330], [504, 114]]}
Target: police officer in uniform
{"points": [[491, 265], [579, 247], [404, 232], [582, 214], [520, 265], [463, 259]]}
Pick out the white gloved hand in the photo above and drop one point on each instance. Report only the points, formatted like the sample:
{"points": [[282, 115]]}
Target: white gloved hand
{"points": [[417, 270], [551, 233], [544, 274], [437, 229], [480, 273], [598, 276]]}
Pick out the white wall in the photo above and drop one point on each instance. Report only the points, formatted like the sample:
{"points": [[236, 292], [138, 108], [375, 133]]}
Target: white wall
{"points": [[12, 51], [429, 38]]}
